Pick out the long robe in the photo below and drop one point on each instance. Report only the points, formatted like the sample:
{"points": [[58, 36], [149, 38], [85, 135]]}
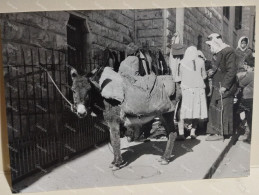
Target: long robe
{"points": [[225, 76]]}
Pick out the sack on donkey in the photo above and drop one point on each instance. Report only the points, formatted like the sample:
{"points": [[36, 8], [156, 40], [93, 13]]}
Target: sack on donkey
{"points": [[169, 83], [145, 100], [111, 83]]}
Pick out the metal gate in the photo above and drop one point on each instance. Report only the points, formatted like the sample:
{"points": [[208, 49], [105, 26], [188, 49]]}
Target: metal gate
{"points": [[41, 128]]}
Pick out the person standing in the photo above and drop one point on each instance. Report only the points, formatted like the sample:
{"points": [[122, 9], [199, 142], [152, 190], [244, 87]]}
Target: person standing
{"points": [[223, 75], [175, 56], [245, 79], [243, 51], [192, 74]]}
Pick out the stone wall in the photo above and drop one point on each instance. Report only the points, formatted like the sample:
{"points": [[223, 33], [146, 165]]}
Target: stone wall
{"points": [[201, 22], [248, 18], [45, 30], [149, 26], [155, 27], [110, 28]]}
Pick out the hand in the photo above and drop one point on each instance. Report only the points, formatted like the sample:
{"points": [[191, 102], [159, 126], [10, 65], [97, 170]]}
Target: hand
{"points": [[210, 72], [235, 100], [222, 90], [242, 116]]}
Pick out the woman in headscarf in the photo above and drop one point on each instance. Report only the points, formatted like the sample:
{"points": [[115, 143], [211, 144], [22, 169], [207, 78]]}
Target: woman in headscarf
{"points": [[243, 51], [192, 74]]}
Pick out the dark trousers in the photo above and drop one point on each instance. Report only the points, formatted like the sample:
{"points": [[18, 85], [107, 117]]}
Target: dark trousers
{"points": [[247, 106]]}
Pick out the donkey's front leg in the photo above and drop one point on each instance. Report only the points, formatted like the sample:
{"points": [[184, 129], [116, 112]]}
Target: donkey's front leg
{"points": [[115, 142], [168, 123]]}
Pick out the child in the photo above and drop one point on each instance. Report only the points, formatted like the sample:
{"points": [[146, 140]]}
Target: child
{"points": [[245, 78]]}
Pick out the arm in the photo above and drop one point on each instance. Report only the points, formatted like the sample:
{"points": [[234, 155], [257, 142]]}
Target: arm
{"points": [[178, 75], [203, 71], [244, 81]]}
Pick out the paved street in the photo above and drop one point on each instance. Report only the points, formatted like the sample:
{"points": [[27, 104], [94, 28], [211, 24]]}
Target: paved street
{"points": [[192, 160], [236, 162]]}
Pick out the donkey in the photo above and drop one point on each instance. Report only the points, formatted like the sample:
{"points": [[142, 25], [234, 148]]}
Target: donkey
{"points": [[88, 100]]}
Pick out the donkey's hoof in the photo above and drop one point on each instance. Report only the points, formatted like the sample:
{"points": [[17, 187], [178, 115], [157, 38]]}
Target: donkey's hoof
{"points": [[164, 162]]}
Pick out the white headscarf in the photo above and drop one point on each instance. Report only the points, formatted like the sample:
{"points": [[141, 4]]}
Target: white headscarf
{"points": [[240, 41], [216, 42], [190, 55]]}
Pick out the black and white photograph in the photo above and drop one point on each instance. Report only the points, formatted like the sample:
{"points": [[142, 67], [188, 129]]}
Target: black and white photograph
{"points": [[119, 97]]}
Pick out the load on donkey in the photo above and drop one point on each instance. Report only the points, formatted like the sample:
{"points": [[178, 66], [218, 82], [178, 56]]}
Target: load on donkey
{"points": [[125, 100]]}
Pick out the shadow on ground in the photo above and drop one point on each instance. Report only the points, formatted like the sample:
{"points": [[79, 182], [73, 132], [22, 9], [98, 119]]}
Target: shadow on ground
{"points": [[132, 153]]}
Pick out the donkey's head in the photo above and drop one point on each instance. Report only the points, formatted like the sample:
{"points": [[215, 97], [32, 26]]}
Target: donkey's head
{"points": [[81, 88]]}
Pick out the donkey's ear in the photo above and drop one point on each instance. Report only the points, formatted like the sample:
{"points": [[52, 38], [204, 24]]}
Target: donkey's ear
{"points": [[73, 73]]}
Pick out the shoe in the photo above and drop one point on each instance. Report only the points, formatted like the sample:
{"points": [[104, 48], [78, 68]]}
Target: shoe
{"points": [[246, 137], [214, 137], [243, 137], [180, 138]]}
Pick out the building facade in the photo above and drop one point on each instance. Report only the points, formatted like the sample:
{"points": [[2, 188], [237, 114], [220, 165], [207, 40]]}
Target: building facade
{"points": [[87, 32]]}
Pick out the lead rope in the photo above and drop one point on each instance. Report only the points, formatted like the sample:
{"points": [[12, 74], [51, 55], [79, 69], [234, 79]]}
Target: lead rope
{"points": [[56, 86]]}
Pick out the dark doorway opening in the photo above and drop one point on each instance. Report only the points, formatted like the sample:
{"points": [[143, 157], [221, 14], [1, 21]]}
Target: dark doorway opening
{"points": [[76, 44]]}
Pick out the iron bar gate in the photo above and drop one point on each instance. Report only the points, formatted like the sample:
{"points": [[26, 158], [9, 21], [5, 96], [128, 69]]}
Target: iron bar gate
{"points": [[41, 128]]}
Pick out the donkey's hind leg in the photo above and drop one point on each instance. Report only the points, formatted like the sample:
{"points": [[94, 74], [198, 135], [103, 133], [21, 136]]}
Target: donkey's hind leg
{"points": [[115, 142], [168, 122]]}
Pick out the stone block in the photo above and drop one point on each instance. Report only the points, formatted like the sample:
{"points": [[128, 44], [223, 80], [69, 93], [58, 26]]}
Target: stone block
{"points": [[116, 46], [60, 42], [33, 19], [104, 31], [27, 54], [127, 39], [42, 56], [129, 13], [150, 33], [41, 38], [109, 23], [158, 23], [123, 29], [10, 51], [8, 16], [57, 27], [61, 16], [98, 18], [15, 31], [35, 56], [172, 12], [118, 17], [149, 14], [143, 24], [4, 53], [1, 27], [93, 38], [102, 41], [49, 58], [153, 42], [125, 21], [117, 36]]}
